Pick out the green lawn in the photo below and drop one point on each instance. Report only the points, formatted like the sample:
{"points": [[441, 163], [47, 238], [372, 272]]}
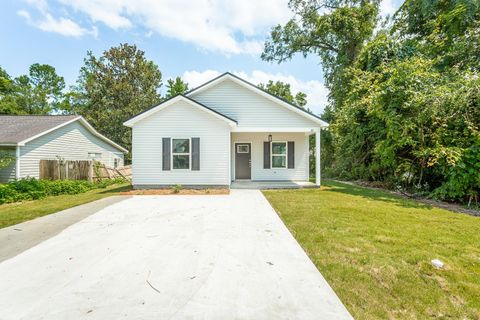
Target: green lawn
{"points": [[14, 213], [375, 249]]}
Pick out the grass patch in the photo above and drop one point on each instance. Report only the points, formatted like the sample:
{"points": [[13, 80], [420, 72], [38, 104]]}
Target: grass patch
{"points": [[14, 213], [375, 248]]}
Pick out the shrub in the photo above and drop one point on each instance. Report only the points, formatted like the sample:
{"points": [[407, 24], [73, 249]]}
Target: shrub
{"points": [[32, 189], [176, 188]]}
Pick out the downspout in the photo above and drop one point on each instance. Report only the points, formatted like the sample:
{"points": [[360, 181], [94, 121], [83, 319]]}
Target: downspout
{"points": [[17, 163]]}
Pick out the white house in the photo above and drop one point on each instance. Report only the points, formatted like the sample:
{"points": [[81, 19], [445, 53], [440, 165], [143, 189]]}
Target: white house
{"points": [[222, 131], [33, 138]]}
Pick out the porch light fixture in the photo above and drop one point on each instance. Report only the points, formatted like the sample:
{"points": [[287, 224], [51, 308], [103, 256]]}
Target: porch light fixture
{"points": [[269, 138]]}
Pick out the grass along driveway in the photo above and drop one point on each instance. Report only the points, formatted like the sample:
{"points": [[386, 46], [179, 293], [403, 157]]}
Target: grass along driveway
{"points": [[375, 248], [17, 212]]}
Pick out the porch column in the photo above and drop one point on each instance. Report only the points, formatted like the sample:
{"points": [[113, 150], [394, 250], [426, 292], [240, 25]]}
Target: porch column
{"points": [[317, 156]]}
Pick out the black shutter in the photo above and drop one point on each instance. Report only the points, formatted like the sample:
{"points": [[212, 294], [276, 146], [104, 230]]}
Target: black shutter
{"points": [[266, 155], [291, 154], [195, 153], [165, 153]]}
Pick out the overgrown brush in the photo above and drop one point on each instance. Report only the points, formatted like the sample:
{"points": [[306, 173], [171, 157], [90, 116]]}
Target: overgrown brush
{"points": [[33, 189]]}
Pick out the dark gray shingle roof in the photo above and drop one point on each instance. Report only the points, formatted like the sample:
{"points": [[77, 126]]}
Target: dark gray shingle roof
{"points": [[15, 129]]}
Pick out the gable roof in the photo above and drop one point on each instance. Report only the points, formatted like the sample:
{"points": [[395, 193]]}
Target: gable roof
{"points": [[260, 91], [130, 122], [17, 130]]}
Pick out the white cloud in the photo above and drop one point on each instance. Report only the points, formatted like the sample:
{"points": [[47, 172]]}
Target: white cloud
{"points": [[25, 14], [387, 7], [196, 78], [109, 12], [229, 27], [317, 93], [64, 26]]}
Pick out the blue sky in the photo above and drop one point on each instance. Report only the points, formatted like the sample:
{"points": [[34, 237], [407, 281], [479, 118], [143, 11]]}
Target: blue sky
{"points": [[193, 39]]}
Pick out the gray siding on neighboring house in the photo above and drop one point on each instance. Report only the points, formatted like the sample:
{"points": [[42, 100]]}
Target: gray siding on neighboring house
{"points": [[70, 142], [7, 173]]}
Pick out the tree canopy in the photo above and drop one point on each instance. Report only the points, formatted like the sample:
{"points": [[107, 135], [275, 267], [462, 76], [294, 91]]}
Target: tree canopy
{"points": [[114, 87], [282, 90], [174, 87], [39, 92], [404, 102]]}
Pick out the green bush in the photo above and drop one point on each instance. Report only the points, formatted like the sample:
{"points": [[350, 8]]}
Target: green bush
{"points": [[32, 189], [177, 188]]}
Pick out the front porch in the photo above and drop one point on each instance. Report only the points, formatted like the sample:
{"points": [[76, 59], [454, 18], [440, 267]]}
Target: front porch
{"points": [[274, 158], [260, 185]]}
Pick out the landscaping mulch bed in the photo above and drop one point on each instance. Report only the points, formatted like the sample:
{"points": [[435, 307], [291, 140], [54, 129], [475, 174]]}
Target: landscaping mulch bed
{"points": [[149, 192]]}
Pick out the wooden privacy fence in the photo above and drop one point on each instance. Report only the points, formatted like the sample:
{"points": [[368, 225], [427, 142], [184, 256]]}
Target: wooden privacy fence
{"points": [[101, 172], [81, 170], [66, 169]]}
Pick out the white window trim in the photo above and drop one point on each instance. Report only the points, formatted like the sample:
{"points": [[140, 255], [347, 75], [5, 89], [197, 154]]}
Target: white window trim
{"points": [[181, 154], [240, 144], [94, 155], [277, 155]]}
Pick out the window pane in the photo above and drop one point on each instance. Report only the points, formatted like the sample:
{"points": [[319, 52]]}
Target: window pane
{"points": [[180, 145], [279, 162], [279, 148], [181, 162], [242, 148]]}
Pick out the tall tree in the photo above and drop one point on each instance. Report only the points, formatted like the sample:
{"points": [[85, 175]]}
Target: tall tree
{"points": [[39, 92], [282, 90], [115, 87], [404, 103], [333, 30], [174, 87], [8, 104]]}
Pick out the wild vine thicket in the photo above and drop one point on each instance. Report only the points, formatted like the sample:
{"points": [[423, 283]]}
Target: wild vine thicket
{"points": [[404, 107]]}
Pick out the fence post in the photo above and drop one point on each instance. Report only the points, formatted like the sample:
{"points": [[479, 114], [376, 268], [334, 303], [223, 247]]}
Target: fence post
{"points": [[90, 171], [67, 165]]}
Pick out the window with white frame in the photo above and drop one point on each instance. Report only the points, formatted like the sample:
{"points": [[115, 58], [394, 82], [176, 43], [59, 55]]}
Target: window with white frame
{"points": [[279, 154], [243, 148], [94, 155], [181, 153]]}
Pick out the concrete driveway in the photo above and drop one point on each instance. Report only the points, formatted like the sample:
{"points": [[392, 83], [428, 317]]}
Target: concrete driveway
{"points": [[170, 257]]}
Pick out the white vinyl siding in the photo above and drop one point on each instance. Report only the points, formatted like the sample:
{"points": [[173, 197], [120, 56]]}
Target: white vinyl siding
{"points": [[8, 173], [299, 173], [70, 142], [181, 120], [249, 108]]}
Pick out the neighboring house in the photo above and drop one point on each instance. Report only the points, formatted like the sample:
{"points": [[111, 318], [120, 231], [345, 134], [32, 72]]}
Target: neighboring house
{"points": [[224, 130], [34, 138]]}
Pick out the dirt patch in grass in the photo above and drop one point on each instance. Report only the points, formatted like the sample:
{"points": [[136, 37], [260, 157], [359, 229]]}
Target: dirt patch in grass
{"points": [[155, 192]]}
